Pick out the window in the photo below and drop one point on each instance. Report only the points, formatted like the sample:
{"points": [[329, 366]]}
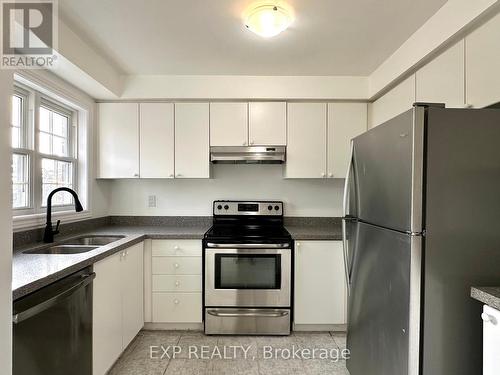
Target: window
{"points": [[20, 158], [44, 155]]}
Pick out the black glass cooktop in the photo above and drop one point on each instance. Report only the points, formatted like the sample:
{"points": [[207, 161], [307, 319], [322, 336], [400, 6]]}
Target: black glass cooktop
{"points": [[248, 233]]}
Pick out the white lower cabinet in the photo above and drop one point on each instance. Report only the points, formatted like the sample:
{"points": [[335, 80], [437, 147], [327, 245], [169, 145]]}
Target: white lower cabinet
{"points": [[177, 307], [176, 285], [491, 341], [118, 305], [320, 287]]}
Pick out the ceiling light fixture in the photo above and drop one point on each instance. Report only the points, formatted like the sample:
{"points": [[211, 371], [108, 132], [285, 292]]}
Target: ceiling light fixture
{"points": [[268, 19]]}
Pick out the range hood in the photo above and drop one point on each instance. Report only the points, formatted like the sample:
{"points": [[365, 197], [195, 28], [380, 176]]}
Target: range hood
{"points": [[248, 154]]}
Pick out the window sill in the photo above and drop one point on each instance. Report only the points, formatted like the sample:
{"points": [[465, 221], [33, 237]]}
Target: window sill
{"points": [[25, 222]]}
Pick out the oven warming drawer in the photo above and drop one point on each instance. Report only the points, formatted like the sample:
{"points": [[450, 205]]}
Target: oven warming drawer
{"points": [[237, 321]]}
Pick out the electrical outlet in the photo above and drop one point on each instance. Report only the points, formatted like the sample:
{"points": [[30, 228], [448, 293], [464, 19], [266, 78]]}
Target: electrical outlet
{"points": [[152, 201]]}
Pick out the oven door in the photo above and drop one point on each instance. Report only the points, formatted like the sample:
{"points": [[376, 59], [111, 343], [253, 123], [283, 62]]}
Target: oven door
{"points": [[247, 277]]}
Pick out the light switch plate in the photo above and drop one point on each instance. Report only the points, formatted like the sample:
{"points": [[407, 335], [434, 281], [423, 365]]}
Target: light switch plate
{"points": [[152, 201]]}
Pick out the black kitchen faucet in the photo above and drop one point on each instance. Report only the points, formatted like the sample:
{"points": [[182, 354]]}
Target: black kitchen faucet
{"points": [[48, 235]]}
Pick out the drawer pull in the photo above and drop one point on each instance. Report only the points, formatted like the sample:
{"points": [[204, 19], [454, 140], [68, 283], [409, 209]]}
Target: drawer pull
{"points": [[177, 283], [176, 301], [176, 265]]}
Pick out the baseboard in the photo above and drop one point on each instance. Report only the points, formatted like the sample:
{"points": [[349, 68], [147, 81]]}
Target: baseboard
{"points": [[320, 327], [174, 326]]}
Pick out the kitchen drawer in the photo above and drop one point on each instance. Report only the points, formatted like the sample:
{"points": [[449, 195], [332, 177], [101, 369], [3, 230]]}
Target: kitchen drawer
{"points": [[176, 265], [177, 307], [178, 283], [176, 248]]}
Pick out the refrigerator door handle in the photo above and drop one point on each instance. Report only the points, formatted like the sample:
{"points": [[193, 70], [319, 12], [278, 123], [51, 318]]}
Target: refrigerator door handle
{"points": [[346, 257], [347, 182]]}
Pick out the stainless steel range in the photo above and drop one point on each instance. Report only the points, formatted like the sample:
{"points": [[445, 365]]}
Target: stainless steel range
{"points": [[247, 270]]}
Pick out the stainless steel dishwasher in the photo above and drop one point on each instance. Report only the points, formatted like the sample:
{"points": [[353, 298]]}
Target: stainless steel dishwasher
{"points": [[52, 328]]}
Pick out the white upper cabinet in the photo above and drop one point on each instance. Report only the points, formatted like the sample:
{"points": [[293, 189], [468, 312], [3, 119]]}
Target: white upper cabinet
{"points": [[443, 79], [192, 140], [482, 61], [345, 121], [400, 99], [306, 143], [228, 124], [267, 123], [118, 140], [157, 140]]}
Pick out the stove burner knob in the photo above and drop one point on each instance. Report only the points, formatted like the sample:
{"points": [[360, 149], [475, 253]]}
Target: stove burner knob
{"points": [[276, 208], [269, 207], [219, 207], [226, 207]]}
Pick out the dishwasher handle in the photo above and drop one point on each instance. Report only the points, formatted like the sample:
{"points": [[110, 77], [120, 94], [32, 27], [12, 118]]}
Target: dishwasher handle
{"points": [[37, 309]]}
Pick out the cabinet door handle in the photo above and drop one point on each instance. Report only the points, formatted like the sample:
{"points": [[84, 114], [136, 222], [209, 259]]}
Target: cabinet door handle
{"points": [[136, 174], [297, 244], [178, 175], [176, 301], [177, 283], [244, 143], [487, 318], [176, 247], [171, 175], [251, 142], [330, 175], [323, 175], [176, 265]]}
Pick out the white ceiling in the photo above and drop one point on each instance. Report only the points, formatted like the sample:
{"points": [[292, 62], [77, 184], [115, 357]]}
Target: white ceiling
{"points": [[191, 37]]}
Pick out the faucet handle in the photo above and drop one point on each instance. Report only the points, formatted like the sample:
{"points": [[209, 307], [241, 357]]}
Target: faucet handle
{"points": [[56, 231]]}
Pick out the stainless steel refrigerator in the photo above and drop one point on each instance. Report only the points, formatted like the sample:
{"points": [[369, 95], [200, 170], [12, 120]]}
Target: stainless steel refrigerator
{"points": [[421, 226]]}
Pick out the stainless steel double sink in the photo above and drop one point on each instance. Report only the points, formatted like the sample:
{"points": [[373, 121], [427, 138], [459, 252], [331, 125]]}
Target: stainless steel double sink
{"points": [[76, 245]]}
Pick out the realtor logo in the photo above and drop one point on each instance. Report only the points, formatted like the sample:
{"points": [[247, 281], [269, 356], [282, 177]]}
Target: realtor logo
{"points": [[29, 34]]}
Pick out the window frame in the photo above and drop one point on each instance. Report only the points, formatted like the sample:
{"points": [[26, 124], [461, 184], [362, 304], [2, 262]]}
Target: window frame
{"points": [[33, 101], [72, 115], [26, 143]]}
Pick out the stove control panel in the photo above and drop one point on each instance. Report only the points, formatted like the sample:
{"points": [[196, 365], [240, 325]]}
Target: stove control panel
{"points": [[243, 208]]}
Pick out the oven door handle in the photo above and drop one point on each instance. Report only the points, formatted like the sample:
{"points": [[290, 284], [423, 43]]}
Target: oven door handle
{"points": [[246, 313], [248, 245]]}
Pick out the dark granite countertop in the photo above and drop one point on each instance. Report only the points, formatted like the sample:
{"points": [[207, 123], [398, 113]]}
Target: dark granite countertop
{"points": [[488, 295], [326, 229], [31, 272], [34, 271]]}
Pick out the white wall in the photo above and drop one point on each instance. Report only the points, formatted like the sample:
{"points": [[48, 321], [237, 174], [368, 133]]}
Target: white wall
{"points": [[5, 226], [194, 197]]}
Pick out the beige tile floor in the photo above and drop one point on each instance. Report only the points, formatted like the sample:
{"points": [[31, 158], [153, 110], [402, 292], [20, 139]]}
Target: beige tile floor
{"points": [[136, 360]]}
